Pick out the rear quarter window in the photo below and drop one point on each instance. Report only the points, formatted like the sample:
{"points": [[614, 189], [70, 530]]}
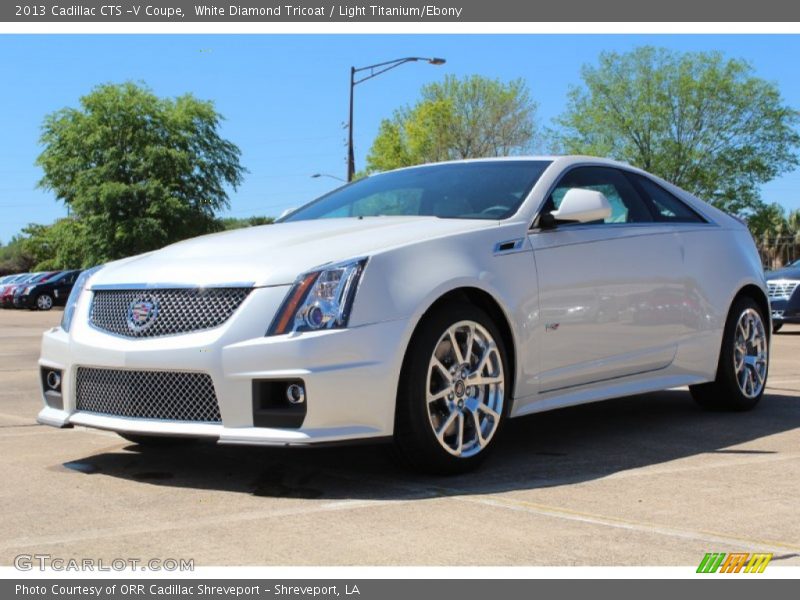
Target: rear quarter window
{"points": [[666, 207]]}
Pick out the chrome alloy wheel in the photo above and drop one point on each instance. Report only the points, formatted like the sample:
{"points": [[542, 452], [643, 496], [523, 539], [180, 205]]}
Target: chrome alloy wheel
{"points": [[750, 353], [44, 302], [465, 389]]}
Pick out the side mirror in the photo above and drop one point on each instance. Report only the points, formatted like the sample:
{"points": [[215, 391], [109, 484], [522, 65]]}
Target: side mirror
{"points": [[582, 206]]}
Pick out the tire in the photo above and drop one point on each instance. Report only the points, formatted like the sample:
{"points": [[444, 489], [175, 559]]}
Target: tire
{"points": [[467, 412], [743, 361], [44, 301], [157, 441], [776, 327]]}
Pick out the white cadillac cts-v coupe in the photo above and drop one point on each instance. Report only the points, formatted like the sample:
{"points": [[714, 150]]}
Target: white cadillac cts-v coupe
{"points": [[426, 305]]}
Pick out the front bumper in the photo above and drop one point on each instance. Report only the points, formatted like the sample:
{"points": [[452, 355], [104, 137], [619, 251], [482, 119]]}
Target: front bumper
{"points": [[24, 301], [785, 310], [350, 375]]}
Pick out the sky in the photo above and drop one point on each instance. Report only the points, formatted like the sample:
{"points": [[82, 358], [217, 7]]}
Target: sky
{"points": [[285, 97]]}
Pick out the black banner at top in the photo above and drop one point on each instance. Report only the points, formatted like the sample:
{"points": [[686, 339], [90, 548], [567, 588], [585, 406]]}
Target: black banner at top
{"points": [[49, 11]]}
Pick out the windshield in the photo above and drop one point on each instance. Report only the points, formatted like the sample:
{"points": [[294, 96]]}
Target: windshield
{"points": [[39, 278], [60, 276], [472, 190]]}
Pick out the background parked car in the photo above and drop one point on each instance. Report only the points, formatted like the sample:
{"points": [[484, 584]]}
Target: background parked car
{"points": [[42, 277], [45, 294], [783, 286], [11, 279], [8, 290], [6, 280]]}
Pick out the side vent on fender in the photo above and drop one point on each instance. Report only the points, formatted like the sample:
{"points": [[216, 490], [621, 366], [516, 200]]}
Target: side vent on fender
{"points": [[509, 246]]}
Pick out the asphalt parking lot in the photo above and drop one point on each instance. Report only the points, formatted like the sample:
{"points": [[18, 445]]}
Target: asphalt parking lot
{"points": [[647, 480]]}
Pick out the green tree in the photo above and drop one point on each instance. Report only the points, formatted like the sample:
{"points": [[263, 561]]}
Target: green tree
{"points": [[768, 221], [14, 256], [235, 223], [37, 244], [696, 119], [138, 171], [44, 248], [457, 118], [793, 224], [57, 246]]}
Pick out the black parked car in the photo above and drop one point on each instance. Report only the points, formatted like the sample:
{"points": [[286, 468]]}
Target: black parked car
{"points": [[784, 295], [43, 295]]}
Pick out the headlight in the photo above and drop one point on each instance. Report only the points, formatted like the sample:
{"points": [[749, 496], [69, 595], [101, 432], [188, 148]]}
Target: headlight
{"points": [[74, 295], [27, 290], [320, 299]]}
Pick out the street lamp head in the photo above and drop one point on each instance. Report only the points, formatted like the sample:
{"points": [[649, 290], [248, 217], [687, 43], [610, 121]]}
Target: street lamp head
{"points": [[374, 71], [318, 175]]}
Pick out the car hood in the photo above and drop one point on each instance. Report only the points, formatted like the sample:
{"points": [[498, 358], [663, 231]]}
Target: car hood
{"points": [[275, 254], [785, 273]]}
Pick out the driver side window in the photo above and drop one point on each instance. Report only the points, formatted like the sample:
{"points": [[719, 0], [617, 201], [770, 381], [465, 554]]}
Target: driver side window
{"points": [[626, 204]]}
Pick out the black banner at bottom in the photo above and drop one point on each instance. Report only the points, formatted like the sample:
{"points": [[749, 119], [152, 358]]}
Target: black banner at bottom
{"points": [[734, 588]]}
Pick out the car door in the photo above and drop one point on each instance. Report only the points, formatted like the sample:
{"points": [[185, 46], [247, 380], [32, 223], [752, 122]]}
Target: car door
{"points": [[63, 286], [611, 293]]}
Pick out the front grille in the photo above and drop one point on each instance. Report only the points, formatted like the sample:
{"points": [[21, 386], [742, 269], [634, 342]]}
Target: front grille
{"points": [[781, 288], [166, 395], [170, 311]]}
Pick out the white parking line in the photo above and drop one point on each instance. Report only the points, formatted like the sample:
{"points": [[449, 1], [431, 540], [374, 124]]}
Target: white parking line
{"points": [[617, 523], [82, 536], [729, 462], [17, 418]]}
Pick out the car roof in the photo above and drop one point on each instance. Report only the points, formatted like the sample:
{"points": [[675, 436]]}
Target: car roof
{"points": [[57, 275], [41, 276], [563, 160]]}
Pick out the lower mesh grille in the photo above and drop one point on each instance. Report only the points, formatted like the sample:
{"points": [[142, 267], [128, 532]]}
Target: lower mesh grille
{"points": [[166, 395]]}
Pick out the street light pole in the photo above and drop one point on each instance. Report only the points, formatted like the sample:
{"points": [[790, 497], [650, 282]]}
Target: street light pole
{"points": [[351, 159], [375, 70]]}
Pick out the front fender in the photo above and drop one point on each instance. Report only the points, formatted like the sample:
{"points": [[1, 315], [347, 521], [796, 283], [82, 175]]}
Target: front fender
{"points": [[404, 283]]}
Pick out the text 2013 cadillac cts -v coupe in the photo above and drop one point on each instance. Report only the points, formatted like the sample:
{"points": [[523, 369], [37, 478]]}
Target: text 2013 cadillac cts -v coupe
{"points": [[427, 305]]}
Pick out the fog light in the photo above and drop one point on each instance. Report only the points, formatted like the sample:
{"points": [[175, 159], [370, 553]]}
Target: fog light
{"points": [[279, 403], [295, 394], [53, 380], [51, 387]]}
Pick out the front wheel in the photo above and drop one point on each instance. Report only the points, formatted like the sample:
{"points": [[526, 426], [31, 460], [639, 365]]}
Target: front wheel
{"points": [[452, 398], [743, 361], [44, 302]]}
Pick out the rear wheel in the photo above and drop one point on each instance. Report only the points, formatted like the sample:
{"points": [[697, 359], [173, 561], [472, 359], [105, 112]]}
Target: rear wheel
{"points": [[743, 361], [452, 397]]}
